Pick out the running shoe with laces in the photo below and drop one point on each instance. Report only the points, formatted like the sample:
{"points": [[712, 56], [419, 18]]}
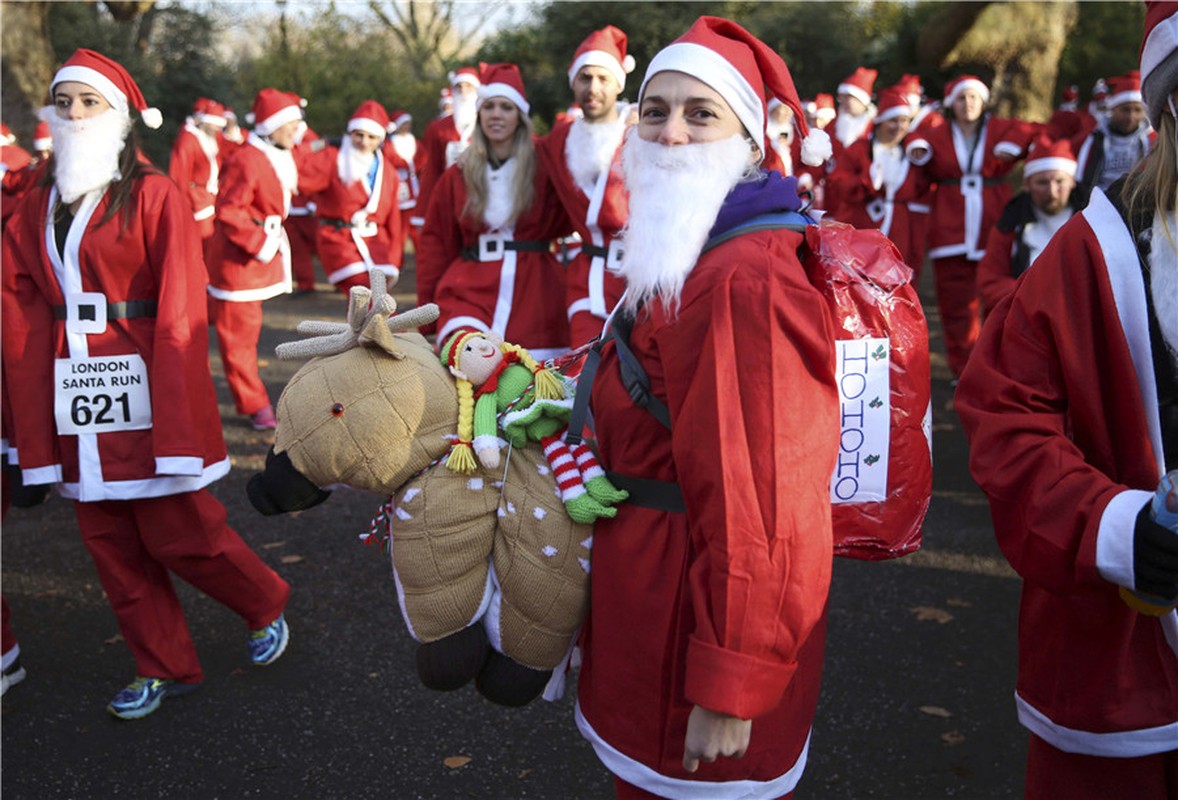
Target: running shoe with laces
{"points": [[268, 643], [143, 695]]}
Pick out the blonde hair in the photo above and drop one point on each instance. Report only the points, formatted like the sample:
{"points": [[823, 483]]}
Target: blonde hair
{"points": [[461, 457], [474, 170], [1153, 185]]}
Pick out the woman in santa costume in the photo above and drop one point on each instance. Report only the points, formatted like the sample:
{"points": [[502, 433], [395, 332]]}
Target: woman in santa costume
{"points": [[873, 180], [967, 161], [486, 250], [105, 344], [249, 256], [703, 649], [1070, 402], [580, 158], [356, 194]]}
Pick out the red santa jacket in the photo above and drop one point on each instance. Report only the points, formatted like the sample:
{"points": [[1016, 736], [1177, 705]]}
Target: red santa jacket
{"points": [[443, 144], [519, 294], [196, 171], [1060, 404], [249, 255], [594, 286], [971, 185], [112, 298], [14, 178], [359, 226], [722, 606], [409, 174], [865, 205]]}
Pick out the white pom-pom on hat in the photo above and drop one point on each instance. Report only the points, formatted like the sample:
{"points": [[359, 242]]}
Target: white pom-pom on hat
{"points": [[152, 118], [816, 147], [628, 63]]}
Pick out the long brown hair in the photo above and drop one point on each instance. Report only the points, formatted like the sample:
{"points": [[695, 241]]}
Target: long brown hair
{"points": [[1153, 185], [474, 170]]}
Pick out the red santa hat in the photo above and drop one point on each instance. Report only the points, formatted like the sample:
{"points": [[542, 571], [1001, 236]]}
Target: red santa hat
{"points": [[1124, 89], [859, 84], [273, 108], [397, 118], [107, 77], [1046, 156], [910, 85], [604, 48], [209, 112], [1099, 90], [369, 117], [955, 87], [1159, 57], [502, 80], [6, 134], [1071, 94], [824, 106], [42, 139], [465, 75], [739, 67], [893, 103]]}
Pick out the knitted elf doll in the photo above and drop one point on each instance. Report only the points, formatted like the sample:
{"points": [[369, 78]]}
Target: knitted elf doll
{"points": [[496, 378]]}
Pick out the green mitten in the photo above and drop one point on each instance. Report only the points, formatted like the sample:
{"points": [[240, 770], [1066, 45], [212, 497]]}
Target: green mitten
{"points": [[601, 490], [584, 509]]}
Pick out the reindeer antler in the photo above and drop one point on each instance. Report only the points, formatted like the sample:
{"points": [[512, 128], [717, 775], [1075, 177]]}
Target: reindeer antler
{"points": [[372, 318]]}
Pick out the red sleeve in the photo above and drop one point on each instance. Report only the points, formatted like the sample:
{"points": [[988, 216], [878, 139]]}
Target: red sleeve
{"points": [[848, 184], [994, 279], [316, 169], [235, 206], [441, 236], [393, 220], [750, 385]]}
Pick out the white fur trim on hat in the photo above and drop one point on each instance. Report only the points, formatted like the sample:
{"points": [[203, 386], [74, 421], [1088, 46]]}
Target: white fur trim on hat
{"points": [[43, 144], [892, 113], [151, 117], [600, 58], [367, 125], [717, 72], [277, 120], [853, 90], [212, 119], [1037, 165], [972, 83], [1120, 98], [464, 77], [503, 90]]}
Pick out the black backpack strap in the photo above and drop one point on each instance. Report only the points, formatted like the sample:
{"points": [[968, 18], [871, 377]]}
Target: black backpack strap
{"points": [[634, 377], [579, 416]]}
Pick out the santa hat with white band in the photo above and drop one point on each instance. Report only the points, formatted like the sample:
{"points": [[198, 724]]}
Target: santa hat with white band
{"points": [[107, 77], [955, 87], [1159, 57], [859, 84], [740, 67], [397, 118], [1046, 156], [1124, 89], [465, 75], [273, 108], [893, 102], [604, 48], [502, 80], [209, 112], [370, 117], [42, 138]]}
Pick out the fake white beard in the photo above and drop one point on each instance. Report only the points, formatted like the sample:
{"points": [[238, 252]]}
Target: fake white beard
{"points": [[86, 151], [207, 143], [353, 164], [281, 160], [404, 145], [774, 130], [675, 195], [589, 150], [848, 129], [1163, 283], [465, 113]]}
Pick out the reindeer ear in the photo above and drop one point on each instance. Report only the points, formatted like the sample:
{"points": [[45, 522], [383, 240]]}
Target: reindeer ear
{"points": [[376, 333]]}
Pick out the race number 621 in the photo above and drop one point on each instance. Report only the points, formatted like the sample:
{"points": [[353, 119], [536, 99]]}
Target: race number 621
{"points": [[101, 394]]}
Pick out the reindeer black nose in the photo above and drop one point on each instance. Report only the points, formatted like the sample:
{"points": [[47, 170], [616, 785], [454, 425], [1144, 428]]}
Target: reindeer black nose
{"points": [[281, 488]]}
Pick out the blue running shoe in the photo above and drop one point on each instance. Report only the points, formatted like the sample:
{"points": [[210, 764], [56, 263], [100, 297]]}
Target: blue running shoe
{"points": [[267, 644], [144, 695]]}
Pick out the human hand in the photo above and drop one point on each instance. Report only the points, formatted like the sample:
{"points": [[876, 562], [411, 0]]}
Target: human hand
{"points": [[711, 734]]}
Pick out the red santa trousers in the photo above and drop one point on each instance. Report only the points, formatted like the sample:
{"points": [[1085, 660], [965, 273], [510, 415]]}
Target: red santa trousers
{"points": [[301, 233], [135, 543], [239, 326], [957, 299], [1053, 774], [9, 638]]}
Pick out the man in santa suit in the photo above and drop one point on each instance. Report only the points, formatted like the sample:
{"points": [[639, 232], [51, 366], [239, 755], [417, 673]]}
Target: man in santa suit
{"points": [[968, 160], [874, 181], [1070, 402], [356, 196], [195, 164], [855, 110], [105, 346], [249, 256], [1049, 199], [580, 159], [407, 155], [1119, 139], [445, 138], [703, 649]]}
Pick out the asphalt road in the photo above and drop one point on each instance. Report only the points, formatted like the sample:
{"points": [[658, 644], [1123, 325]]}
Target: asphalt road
{"points": [[917, 696]]}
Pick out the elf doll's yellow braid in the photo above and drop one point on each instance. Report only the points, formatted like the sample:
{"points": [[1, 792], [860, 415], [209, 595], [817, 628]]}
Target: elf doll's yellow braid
{"points": [[548, 386], [461, 453]]}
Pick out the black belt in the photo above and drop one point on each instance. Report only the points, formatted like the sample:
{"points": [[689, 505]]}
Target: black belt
{"points": [[593, 251], [129, 309], [647, 493], [338, 224], [521, 245]]}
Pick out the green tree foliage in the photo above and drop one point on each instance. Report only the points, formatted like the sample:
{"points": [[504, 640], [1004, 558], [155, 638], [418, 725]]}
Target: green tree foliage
{"points": [[1105, 42]]}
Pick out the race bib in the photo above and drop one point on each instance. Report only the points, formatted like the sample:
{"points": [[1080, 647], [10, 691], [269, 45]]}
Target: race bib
{"points": [[101, 394]]}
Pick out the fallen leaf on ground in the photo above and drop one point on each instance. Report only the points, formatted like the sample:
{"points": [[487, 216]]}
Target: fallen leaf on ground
{"points": [[290, 559], [523, 773], [118, 637], [958, 602], [272, 545], [929, 613], [953, 738], [936, 711], [454, 762]]}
